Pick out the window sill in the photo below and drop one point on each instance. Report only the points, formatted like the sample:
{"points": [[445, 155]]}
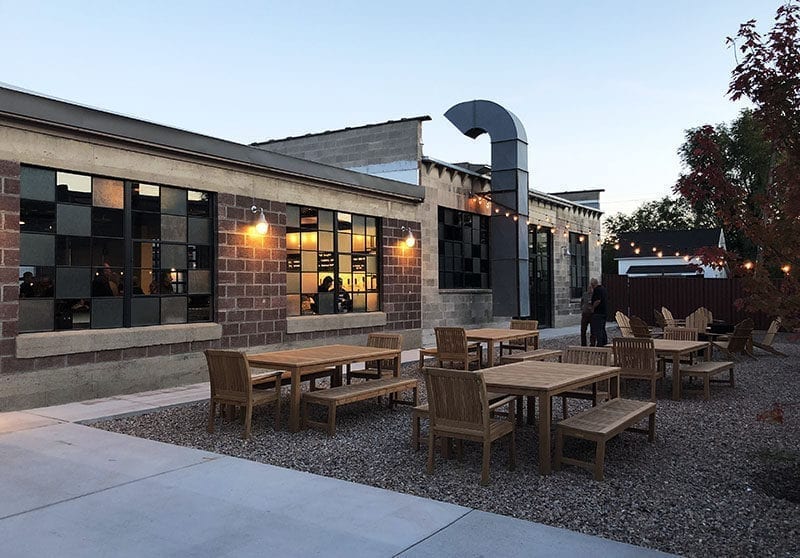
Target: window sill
{"points": [[55, 343], [330, 322], [465, 291]]}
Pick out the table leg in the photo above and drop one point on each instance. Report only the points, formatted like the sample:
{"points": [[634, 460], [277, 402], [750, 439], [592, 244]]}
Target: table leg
{"points": [[676, 377], [536, 341], [613, 386], [294, 403], [490, 356], [545, 416]]}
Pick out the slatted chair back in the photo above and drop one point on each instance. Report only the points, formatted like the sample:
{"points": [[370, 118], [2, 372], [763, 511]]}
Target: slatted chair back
{"points": [[769, 337], [596, 356], [681, 333], [452, 346], [383, 341], [624, 324], [229, 375], [520, 344], [737, 342], [697, 320], [457, 401], [708, 314], [660, 321], [669, 319], [635, 355], [640, 328]]}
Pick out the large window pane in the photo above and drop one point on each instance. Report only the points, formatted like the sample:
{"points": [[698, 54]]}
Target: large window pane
{"points": [[73, 188], [37, 184], [36, 249], [198, 204], [107, 222], [106, 313], [173, 310], [146, 197], [173, 201], [74, 220], [37, 216], [145, 311], [108, 193], [463, 238], [173, 228], [35, 315], [74, 251], [146, 226]]}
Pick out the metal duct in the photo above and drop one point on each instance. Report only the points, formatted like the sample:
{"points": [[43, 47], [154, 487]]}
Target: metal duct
{"points": [[509, 239]]}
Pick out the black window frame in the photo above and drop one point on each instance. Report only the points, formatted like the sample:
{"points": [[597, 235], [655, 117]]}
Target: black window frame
{"points": [[464, 256], [352, 252], [118, 303], [578, 264]]}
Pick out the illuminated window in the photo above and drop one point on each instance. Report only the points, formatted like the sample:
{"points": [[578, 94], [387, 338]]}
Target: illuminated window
{"points": [[91, 259], [332, 262]]}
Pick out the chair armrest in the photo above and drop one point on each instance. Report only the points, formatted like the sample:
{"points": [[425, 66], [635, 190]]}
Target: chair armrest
{"points": [[502, 402], [266, 376]]}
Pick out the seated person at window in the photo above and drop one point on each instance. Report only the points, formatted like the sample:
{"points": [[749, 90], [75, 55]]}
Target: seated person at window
{"points": [[26, 285], [162, 287], [324, 287], [103, 283], [343, 300]]}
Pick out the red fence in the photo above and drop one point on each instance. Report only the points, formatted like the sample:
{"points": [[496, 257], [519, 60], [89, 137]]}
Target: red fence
{"points": [[639, 296]]}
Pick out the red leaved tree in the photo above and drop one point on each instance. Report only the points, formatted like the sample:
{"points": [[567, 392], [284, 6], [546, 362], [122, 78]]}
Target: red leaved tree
{"points": [[768, 214]]}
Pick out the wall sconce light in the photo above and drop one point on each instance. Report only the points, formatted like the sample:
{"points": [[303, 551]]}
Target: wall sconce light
{"points": [[565, 251], [409, 240], [261, 221]]}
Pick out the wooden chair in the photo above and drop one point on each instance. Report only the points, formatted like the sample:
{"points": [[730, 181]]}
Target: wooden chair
{"points": [[669, 318], [769, 338], [738, 343], [459, 408], [522, 344], [597, 356], [682, 334], [232, 384], [639, 328], [624, 324], [374, 369], [660, 321], [637, 359], [452, 346]]}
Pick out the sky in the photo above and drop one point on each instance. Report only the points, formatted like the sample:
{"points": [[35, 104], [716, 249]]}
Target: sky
{"points": [[604, 88]]}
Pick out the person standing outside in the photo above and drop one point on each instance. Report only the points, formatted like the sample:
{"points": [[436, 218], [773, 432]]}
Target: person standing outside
{"points": [[598, 320], [587, 309]]}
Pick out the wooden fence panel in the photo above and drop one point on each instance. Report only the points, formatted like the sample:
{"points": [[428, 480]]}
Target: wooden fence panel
{"points": [[640, 296]]}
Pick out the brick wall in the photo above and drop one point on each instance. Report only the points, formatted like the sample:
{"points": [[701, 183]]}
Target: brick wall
{"points": [[251, 273], [402, 276]]}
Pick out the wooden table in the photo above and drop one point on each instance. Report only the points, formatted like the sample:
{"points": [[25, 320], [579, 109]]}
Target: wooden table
{"points": [[677, 349], [314, 359], [543, 380], [490, 336]]}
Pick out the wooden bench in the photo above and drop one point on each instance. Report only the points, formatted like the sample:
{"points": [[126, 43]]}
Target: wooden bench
{"points": [[600, 424], [351, 393], [707, 369], [535, 354]]}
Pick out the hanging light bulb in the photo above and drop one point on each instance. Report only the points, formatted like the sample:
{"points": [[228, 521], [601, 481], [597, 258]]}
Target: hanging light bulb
{"points": [[261, 221], [409, 240], [748, 265]]}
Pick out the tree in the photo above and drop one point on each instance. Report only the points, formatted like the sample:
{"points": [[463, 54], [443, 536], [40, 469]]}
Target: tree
{"points": [[765, 210], [746, 155]]}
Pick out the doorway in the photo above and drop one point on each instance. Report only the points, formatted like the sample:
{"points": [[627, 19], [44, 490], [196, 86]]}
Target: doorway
{"points": [[540, 254]]}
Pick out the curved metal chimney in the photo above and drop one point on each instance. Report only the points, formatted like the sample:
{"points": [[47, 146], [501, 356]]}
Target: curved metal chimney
{"points": [[509, 239]]}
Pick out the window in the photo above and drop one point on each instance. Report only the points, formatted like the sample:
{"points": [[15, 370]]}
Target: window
{"points": [[332, 261], [578, 264], [463, 250], [99, 252]]}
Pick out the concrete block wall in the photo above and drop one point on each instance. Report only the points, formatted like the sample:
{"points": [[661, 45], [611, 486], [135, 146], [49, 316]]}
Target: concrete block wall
{"points": [[355, 147]]}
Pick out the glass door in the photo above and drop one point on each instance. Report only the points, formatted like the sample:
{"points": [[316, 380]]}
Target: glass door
{"points": [[540, 253]]}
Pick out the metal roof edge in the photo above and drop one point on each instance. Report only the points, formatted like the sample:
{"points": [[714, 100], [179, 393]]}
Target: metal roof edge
{"points": [[21, 104], [421, 118]]}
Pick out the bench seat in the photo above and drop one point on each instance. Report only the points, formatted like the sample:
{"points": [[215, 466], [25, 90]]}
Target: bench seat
{"points": [[351, 393], [600, 424], [706, 370]]}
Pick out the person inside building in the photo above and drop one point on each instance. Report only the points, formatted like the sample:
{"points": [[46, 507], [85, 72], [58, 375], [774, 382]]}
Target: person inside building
{"points": [[343, 299]]}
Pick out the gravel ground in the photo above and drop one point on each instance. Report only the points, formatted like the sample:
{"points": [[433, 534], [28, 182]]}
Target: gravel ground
{"points": [[716, 482]]}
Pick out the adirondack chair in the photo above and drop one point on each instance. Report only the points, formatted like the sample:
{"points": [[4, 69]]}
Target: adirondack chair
{"points": [[738, 342], [624, 324], [640, 328], [766, 343]]}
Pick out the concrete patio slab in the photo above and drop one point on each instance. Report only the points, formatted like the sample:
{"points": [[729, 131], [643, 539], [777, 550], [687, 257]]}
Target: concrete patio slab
{"points": [[515, 538], [22, 420]]}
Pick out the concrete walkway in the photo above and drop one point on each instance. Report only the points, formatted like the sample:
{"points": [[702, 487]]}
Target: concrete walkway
{"points": [[72, 490]]}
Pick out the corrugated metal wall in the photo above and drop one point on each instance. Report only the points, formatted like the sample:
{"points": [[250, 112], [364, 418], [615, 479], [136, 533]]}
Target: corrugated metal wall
{"points": [[640, 296]]}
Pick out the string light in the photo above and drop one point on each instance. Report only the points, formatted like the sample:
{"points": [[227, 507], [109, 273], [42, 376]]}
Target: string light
{"points": [[786, 269], [748, 265]]}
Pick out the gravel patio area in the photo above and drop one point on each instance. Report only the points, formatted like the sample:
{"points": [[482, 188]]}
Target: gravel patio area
{"points": [[716, 482]]}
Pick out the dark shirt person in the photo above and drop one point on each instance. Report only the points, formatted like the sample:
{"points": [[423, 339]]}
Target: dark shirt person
{"points": [[324, 287], [587, 309], [26, 289], [599, 338], [101, 284], [343, 297]]}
